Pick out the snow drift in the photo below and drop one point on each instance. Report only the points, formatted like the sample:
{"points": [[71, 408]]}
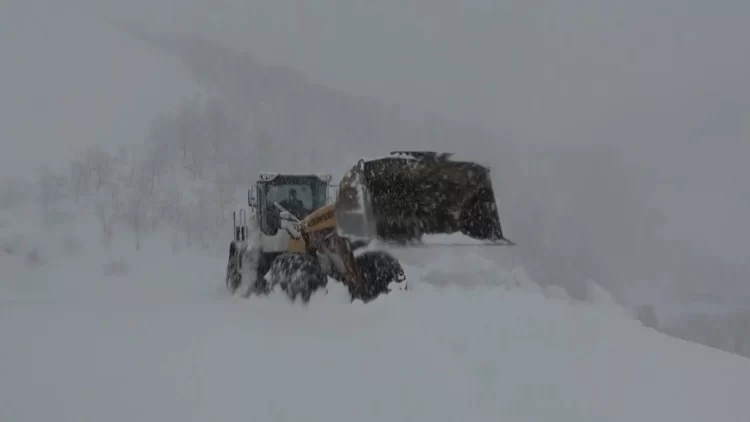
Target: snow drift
{"points": [[160, 339]]}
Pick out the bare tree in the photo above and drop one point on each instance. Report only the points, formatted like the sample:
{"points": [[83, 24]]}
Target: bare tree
{"points": [[139, 191], [149, 173], [50, 191], [134, 214], [106, 213], [224, 193], [12, 192], [80, 174], [101, 164]]}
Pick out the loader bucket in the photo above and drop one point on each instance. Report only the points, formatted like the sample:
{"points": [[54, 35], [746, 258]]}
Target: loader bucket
{"points": [[404, 196]]}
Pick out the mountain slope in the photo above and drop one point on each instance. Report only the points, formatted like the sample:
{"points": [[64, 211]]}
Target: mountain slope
{"points": [[306, 116]]}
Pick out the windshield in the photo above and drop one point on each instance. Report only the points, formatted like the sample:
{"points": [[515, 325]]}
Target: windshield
{"points": [[302, 192], [300, 195]]}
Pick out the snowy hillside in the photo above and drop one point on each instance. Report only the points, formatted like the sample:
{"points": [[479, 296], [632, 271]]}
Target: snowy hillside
{"points": [[608, 213], [112, 299], [118, 335]]}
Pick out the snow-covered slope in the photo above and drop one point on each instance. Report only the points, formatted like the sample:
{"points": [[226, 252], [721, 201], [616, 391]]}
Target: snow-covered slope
{"points": [[114, 335]]}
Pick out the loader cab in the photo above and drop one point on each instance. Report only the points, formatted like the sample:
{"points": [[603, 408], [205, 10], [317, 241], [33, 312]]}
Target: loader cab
{"points": [[311, 192]]}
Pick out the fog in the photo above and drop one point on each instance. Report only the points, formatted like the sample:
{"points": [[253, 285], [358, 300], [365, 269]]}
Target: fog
{"points": [[618, 131], [585, 70], [68, 81]]}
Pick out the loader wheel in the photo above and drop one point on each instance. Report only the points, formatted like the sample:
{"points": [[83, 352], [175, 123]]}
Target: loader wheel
{"points": [[233, 276], [379, 270], [297, 274]]}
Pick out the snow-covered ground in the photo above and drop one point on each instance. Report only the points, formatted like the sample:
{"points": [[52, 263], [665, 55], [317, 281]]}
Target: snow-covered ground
{"points": [[90, 334]]}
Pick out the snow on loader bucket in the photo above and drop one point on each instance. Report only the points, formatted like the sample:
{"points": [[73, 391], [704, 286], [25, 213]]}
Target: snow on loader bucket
{"points": [[419, 199]]}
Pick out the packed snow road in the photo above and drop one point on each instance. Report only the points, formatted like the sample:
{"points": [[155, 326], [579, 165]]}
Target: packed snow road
{"points": [[158, 339]]}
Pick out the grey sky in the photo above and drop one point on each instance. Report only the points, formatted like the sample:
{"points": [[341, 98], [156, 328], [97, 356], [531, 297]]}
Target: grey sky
{"points": [[581, 70], [577, 70], [68, 80]]}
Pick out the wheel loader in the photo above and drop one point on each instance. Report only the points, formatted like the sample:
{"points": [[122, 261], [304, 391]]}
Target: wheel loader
{"points": [[400, 200]]}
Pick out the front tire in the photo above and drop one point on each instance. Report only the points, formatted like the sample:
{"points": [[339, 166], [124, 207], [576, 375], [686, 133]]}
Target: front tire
{"points": [[379, 269], [298, 275]]}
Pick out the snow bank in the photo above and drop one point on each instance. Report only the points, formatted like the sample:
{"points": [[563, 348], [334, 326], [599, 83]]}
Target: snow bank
{"points": [[163, 341], [727, 329]]}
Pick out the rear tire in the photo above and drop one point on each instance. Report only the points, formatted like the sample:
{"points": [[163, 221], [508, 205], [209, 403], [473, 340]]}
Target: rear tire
{"points": [[298, 275]]}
